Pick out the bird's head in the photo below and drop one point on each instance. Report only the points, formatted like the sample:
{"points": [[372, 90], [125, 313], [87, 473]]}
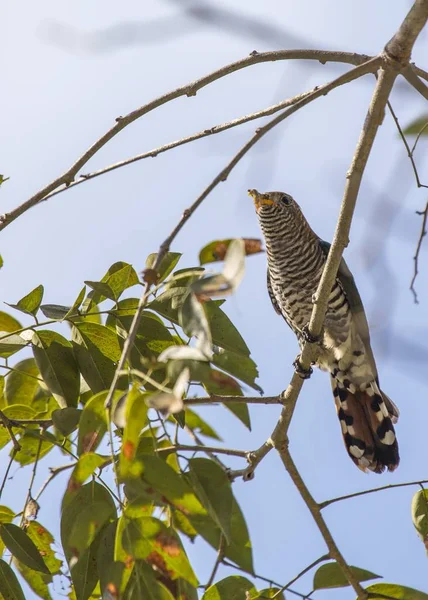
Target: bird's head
{"points": [[272, 203]]}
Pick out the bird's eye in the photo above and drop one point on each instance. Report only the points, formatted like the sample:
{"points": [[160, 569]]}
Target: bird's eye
{"points": [[286, 199]]}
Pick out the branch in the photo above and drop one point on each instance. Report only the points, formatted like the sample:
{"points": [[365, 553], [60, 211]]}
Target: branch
{"points": [[214, 399], [219, 559], [186, 140], [422, 234], [31, 506], [187, 90], [411, 77], [372, 491], [305, 570], [400, 46], [197, 448], [7, 424]]}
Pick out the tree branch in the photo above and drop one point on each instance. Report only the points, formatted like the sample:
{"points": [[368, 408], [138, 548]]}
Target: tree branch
{"points": [[372, 491], [203, 448], [214, 399], [400, 46], [187, 90]]}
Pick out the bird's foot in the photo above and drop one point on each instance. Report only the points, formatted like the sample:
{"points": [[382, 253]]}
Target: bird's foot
{"points": [[304, 373], [308, 337]]}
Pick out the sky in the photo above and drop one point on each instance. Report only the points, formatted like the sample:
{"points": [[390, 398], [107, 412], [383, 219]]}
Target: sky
{"points": [[70, 68]]}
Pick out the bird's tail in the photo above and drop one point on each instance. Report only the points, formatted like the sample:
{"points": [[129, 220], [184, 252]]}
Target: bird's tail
{"points": [[366, 419]]}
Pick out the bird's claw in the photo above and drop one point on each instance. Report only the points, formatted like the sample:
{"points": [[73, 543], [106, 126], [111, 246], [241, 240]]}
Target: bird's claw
{"points": [[308, 337], [304, 373]]}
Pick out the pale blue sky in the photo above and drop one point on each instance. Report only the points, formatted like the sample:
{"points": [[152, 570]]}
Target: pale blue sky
{"points": [[69, 69]]}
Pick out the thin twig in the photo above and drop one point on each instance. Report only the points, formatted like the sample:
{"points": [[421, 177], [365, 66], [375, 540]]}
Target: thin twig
{"points": [[219, 559], [200, 443], [423, 232], [11, 459], [202, 448], [215, 399], [54, 472], [29, 497], [305, 570], [6, 423], [406, 145], [412, 78], [371, 491], [271, 582], [187, 90]]}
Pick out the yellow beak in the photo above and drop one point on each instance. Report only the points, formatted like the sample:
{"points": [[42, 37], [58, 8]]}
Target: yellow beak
{"points": [[260, 199]]}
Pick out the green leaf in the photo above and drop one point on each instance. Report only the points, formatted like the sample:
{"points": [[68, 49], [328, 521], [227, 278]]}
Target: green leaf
{"points": [[135, 419], [102, 289], [93, 424], [55, 311], [84, 572], [198, 425], [16, 411], [22, 547], [22, 383], [3, 179], [86, 465], [1, 257], [74, 310], [143, 584], [6, 516], [66, 420], [242, 367], [159, 475], [239, 550], [8, 323], [224, 333], [420, 515], [234, 587], [215, 251], [167, 264], [147, 536], [9, 585], [214, 490], [43, 541], [30, 442], [2, 398], [55, 360], [9, 344], [97, 350], [120, 277], [37, 581], [30, 303], [91, 520], [110, 571], [330, 576], [417, 125], [167, 303], [394, 591], [241, 411]]}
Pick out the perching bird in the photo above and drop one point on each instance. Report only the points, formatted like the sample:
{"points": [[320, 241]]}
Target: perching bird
{"points": [[296, 258]]}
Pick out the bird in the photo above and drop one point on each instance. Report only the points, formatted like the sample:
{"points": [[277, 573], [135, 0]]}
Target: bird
{"points": [[296, 257]]}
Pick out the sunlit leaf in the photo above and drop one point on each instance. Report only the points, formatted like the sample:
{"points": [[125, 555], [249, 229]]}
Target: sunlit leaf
{"points": [[198, 425], [149, 539], [9, 344], [30, 303], [330, 575], [420, 515], [8, 323], [84, 571], [22, 382], [234, 587], [391, 590], [135, 419], [102, 289], [167, 264], [55, 360], [97, 350], [43, 540], [74, 309], [15, 411], [22, 547], [86, 465], [93, 424], [31, 447], [37, 581], [271, 592]]}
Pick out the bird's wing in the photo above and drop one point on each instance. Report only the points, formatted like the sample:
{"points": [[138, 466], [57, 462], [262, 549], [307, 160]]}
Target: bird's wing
{"points": [[271, 295], [346, 280]]}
